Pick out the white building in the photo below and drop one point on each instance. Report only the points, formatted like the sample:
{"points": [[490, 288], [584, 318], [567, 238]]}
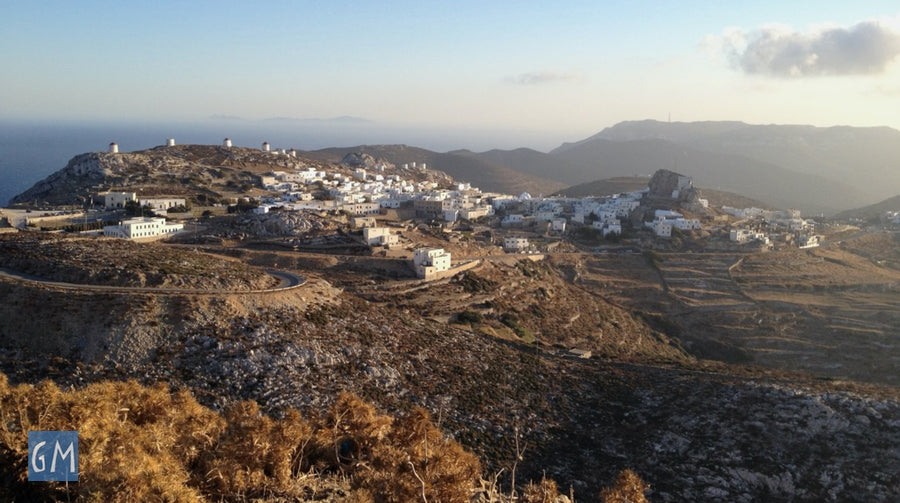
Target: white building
{"points": [[500, 201], [666, 215], [684, 182], [428, 262], [615, 228], [476, 212], [376, 236], [357, 209], [558, 225], [299, 176], [161, 203], [138, 228], [662, 228], [390, 203], [747, 235], [364, 222], [515, 243], [515, 219], [810, 241], [118, 199], [686, 224]]}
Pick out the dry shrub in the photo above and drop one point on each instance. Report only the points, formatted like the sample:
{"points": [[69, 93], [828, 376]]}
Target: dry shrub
{"points": [[629, 488], [141, 443], [358, 496], [543, 492], [132, 439], [255, 455], [416, 462], [348, 433]]}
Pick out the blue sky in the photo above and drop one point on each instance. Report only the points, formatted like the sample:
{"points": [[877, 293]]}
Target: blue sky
{"points": [[560, 71]]}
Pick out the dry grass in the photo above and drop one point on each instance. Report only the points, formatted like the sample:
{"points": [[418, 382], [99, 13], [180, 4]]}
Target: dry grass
{"points": [[141, 443], [629, 488], [147, 444]]}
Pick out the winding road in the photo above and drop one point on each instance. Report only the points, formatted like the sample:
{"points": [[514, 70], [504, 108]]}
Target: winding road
{"points": [[287, 281]]}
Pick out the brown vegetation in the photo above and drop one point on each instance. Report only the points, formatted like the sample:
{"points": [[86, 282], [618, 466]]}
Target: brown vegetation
{"points": [[141, 443]]}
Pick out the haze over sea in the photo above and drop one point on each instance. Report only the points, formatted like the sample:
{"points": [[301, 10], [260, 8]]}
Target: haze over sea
{"points": [[30, 151]]}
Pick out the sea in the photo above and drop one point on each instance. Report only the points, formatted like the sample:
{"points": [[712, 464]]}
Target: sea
{"points": [[31, 150]]}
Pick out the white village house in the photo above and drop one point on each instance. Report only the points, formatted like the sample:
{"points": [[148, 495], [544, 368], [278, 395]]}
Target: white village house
{"points": [[428, 262]]}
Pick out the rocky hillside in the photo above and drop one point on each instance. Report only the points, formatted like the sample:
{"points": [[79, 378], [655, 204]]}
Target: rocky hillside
{"points": [[201, 173], [531, 302], [118, 262], [496, 173], [693, 430], [873, 211], [618, 185]]}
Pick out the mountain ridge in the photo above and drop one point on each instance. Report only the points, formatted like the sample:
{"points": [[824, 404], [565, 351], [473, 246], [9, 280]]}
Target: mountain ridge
{"points": [[873, 210]]}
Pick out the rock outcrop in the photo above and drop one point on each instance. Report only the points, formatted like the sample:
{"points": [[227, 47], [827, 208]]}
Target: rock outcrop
{"points": [[68, 184], [364, 161], [665, 183]]}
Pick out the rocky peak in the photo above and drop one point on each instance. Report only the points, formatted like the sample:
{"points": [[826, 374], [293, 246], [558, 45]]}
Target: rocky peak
{"points": [[364, 161], [665, 183]]}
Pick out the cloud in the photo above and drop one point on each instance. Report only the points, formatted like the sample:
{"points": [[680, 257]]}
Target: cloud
{"points": [[866, 48], [540, 78]]}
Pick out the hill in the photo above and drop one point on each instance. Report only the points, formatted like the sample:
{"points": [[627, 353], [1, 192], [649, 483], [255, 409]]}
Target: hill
{"points": [[606, 187], [201, 173], [618, 185], [648, 407], [603, 158], [873, 211], [863, 158], [819, 170], [487, 173]]}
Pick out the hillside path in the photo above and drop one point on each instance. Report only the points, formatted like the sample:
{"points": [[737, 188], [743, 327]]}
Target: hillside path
{"points": [[287, 281]]}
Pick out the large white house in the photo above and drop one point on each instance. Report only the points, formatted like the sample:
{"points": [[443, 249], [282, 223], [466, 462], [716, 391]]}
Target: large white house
{"points": [[139, 228], [428, 262]]}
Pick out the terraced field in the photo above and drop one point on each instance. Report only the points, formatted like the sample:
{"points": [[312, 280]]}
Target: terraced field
{"points": [[832, 311]]}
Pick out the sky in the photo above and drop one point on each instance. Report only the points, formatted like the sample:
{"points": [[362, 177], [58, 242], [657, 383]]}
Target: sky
{"points": [[540, 73]]}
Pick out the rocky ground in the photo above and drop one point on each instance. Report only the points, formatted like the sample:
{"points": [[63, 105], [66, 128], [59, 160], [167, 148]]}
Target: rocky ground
{"points": [[118, 262], [832, 311], [694, 430]]}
